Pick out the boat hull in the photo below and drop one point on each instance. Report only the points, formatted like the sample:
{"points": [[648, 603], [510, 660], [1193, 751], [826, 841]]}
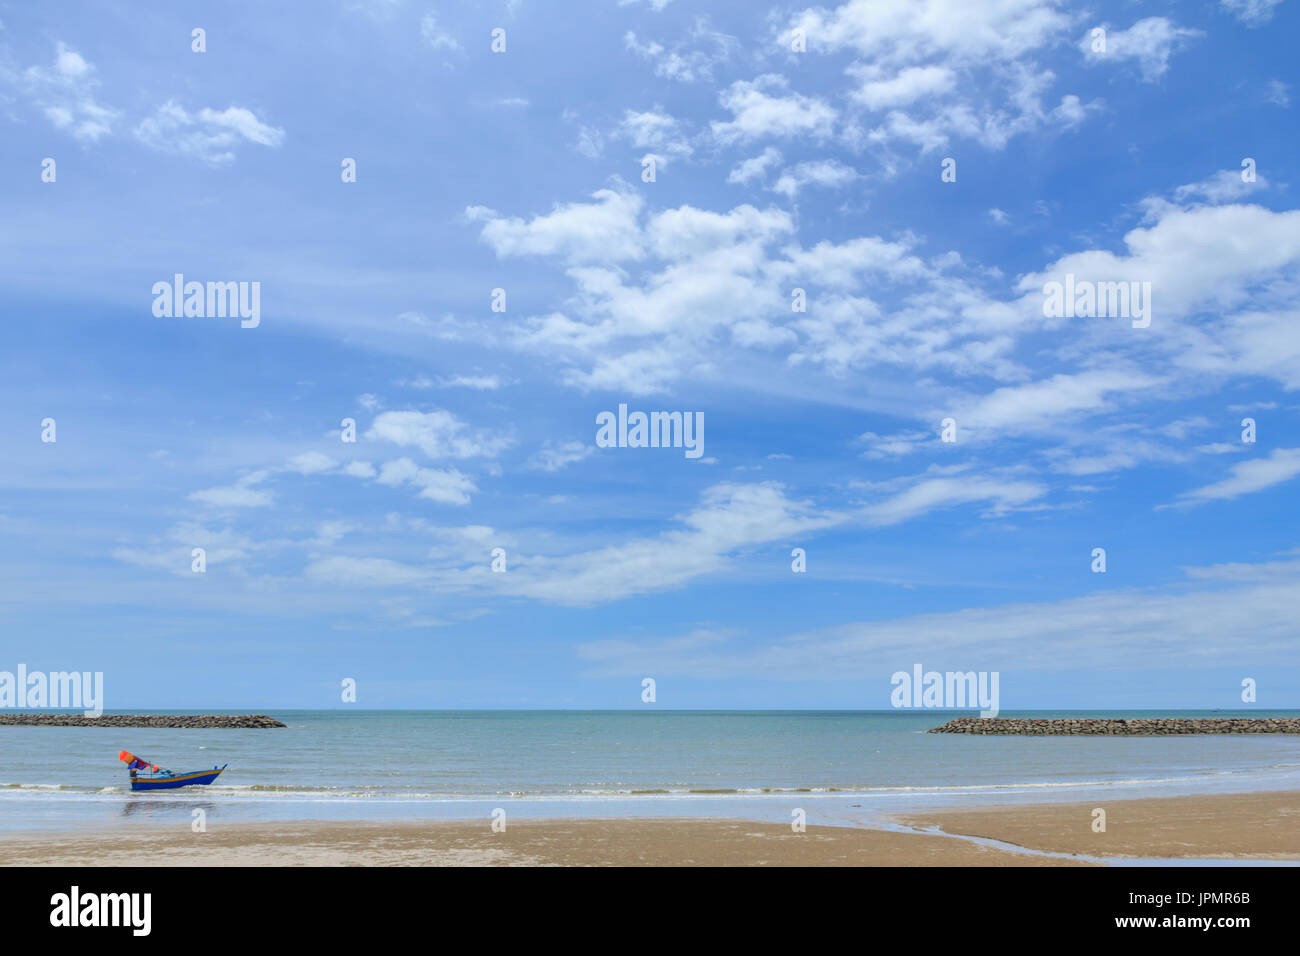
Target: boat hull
{"points": [[172, 781]]}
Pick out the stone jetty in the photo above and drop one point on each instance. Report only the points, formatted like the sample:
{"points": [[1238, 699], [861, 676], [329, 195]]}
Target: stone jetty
{"points": [[1135, 727], [179, 721]]}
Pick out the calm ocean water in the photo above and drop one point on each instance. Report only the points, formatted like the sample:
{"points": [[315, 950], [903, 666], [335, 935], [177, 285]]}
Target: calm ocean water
{"points": [[841, 767]]}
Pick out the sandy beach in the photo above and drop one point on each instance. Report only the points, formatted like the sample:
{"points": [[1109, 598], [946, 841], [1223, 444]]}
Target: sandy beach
{"points": [[628, 842], [1264, 826], [1257, 826]]}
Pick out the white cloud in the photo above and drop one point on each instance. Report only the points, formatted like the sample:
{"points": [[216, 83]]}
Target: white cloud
{"points": [[755, 167], [1117, 454], [705, 278], [1248, 476], [209, 135], [242, 494], [1128, 630], [591, 143], [1183, 427], [1151, 42], [682, 63], [353, 572], [312, 463], [435, 36], [879, 90], [65, 92], [482, 383], [445, 486], [329, 533], [828, 173], [730, 517], [553, 457], [439, 434], [655, 130], [901, 32], [173, 552], [1194, 258], [1224, 186], [1047, 403], [890, 446], [940, 69], [1250, 12], [762, 108], [934, 493], [603, 231]]}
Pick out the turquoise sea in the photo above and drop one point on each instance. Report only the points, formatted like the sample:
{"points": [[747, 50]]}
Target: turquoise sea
{"points": [[840, 767]]}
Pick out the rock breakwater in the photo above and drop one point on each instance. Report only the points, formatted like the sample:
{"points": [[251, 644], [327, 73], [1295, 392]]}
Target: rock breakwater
{"points": [[1119, 727], [180, 721]]}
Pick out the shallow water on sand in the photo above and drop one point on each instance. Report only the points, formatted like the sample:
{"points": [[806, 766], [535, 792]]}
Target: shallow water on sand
{"points": [[841, 767]]}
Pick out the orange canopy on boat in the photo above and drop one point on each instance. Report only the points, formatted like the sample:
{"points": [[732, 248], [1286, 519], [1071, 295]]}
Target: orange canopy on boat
{"points": [[133, 762]]}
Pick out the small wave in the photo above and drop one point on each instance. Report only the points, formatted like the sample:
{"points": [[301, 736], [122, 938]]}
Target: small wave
{"points": [[611, 790]]}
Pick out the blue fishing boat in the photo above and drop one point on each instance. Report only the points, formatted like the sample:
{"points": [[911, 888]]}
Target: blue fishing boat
{"points": [[147, 776]]}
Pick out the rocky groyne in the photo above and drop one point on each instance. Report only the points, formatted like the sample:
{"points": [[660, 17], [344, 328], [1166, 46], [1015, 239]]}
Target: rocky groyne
{"points": [[178, 721], [1119, 727]]}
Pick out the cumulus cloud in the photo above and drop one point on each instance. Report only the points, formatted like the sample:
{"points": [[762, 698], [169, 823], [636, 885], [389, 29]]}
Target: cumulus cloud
{"points": [[665, 292], [312, 463], [766, 107], [65, 91], [1194, 258], [438, 433], [445, 486], [1150, 42], [929, 71], [687, 61], [827, 173], [657, 131], [878, 89], [1224, 186], [756, 167], [602, 231]]}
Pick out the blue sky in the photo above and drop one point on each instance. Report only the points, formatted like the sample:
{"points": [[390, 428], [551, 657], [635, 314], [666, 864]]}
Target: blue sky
{"points": [[775, 169]]}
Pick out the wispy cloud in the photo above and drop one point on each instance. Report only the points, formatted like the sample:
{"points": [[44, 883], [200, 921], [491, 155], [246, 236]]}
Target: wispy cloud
{"points": [[1248, 477], [209, 135]]}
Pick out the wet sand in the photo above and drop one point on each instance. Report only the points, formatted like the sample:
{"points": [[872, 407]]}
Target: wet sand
{"points": [[1262, 826], [533, 843]]}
